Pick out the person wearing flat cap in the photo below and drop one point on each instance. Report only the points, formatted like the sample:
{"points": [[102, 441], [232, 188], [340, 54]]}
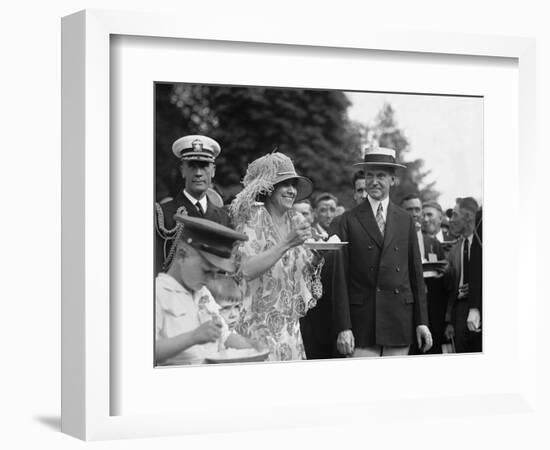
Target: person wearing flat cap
{"points": [[197, 155], [378, 287], [188, 324]]}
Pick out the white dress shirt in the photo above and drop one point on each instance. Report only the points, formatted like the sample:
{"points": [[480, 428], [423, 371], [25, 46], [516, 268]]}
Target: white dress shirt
{"points": [[374, 205], [420, 237], [468, 240], [203, 201]]}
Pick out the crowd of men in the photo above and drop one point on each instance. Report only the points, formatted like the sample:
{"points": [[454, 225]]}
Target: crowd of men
{"points": [[453, 289], [407, 282]]}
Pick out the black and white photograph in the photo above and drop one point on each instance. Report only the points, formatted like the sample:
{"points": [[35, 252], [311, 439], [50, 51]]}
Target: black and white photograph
{"points": [[305, 224]]}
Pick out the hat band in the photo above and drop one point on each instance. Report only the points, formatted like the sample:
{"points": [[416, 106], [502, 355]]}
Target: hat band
{"points": [[215, 251], [201, 156], [385, 159]]}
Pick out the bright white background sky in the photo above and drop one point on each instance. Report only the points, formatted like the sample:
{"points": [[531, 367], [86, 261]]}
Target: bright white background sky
{"points": [[447, 132]]}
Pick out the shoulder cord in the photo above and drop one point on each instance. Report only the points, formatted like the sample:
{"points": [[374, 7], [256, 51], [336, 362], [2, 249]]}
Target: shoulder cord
{"points": [[168, 258], [159, 223], [166, 234]]}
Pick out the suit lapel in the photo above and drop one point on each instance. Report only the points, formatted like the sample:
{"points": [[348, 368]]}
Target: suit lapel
{"points": [[210, 210], [391, 222], [368, 222]]}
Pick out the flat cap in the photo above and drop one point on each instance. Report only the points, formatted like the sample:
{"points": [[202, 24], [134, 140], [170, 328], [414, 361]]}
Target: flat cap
{"points": [[432, 204], [213, 241]]}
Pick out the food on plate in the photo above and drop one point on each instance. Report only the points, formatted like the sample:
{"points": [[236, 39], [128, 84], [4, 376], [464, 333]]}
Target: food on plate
{"points": [[231, 353]]}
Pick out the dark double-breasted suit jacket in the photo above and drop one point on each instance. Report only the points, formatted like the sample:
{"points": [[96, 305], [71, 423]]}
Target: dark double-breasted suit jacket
{"points": [[458, 309], [165, 223], [378, 287]]}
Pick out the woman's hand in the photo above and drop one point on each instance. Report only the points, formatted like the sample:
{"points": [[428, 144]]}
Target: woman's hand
{"points": [[298, 235]]}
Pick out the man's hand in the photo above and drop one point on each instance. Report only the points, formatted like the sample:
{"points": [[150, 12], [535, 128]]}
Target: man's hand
{"points": [[449, 332], [423, 334], [474, 320], [207, 332], [463, 291], [345, 342]]}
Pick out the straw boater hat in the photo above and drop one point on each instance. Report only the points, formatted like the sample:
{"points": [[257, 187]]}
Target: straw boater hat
{"points": [[379, 156], [261, 177]]}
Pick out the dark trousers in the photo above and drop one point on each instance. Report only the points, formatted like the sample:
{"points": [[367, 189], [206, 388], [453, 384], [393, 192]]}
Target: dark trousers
{"points": [[436, 296], [319, 342], [466, 341]]}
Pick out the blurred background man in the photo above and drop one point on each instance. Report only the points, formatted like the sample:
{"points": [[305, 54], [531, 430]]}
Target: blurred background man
{"points": [[359, 187], [431, 250], [304, 208], [324, 211], [432, 214], [463, 317]]}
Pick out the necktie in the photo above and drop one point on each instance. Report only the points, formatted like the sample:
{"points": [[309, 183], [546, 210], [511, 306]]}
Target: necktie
{"points": [[466, 262], [199, 209], [380, 219]]}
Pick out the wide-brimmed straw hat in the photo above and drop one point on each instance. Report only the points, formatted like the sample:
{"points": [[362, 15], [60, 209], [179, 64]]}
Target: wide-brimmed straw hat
{"points": [[262, 175], [379, 156]]}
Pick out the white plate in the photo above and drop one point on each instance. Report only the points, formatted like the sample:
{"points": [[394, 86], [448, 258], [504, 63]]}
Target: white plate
{"points": [[325, 245], [232, 356]]}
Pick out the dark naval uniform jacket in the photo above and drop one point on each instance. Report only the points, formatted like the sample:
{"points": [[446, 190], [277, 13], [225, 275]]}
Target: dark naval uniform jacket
{"points": [[165, 225], [378, 287]]}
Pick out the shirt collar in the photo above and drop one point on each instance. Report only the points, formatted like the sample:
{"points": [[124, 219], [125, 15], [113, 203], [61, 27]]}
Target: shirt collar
{"points": [[374, 205], [203, 201], [171, 283]]}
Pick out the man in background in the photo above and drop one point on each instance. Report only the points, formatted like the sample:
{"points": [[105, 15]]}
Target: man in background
{"points": [[432, 215], [359, 187], [304, 208], [436, 293], [324, 211], [463, 316]]}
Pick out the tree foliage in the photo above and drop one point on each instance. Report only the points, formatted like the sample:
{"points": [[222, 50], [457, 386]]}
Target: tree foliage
{"points": [[311, 126], [411, 179]]}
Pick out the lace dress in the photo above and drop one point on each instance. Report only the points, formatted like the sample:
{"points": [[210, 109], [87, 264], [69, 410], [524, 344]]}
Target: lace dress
{"points": [[274, 302]]}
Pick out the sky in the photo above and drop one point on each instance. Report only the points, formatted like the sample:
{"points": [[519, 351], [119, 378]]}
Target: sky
{"points": [[447, 132]]}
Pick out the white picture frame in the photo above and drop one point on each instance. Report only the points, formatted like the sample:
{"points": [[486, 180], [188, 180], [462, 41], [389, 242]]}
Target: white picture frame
{"points": [[87, 324]]}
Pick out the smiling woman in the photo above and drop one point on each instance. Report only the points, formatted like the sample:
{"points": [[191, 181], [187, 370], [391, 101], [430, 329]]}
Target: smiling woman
{"points": [[277, 270]]}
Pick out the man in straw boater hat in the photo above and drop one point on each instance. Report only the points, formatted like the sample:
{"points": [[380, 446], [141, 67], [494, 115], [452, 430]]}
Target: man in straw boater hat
{"points": [[188, 324], [378, 286], [197, 155]]}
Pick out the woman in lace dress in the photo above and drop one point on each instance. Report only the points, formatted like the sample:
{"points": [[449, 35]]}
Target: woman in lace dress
{"points": [[280, 276]]}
